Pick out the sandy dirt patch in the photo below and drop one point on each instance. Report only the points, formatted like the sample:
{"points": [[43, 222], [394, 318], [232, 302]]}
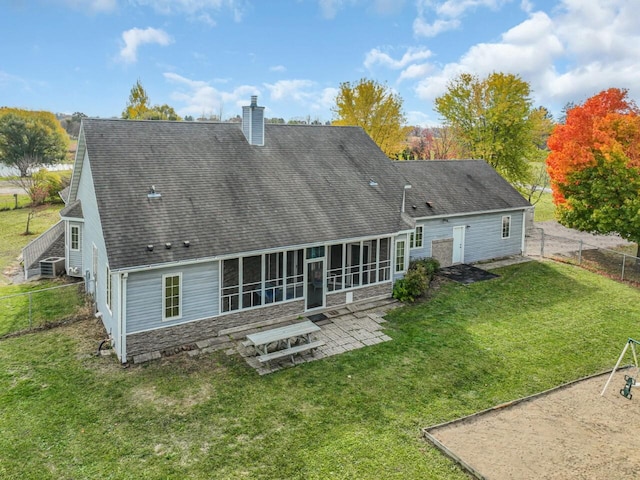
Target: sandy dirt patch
{"points": [[568, 433]]}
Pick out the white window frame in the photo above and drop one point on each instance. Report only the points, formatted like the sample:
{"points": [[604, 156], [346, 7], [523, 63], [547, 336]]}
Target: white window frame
{"points": [[77, 230], [164, 296], [401, 265], [416, 238], [506, 218], [109, 291]]}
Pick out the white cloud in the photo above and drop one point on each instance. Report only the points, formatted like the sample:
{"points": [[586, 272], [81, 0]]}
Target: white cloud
{"points": [[200, 98], [456, 8], [296, 90], [136, 37], [412, 55], [278, 68], [327, 99], [424, 29], [197, 97], [446, 15], [419, 70], [569, 53]]}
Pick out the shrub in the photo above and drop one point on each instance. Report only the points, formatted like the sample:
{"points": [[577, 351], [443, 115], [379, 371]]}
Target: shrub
{"points": [[430, 264], [416, 281]]}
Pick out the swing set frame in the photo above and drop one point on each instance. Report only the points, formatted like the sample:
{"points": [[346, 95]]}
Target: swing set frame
{"points": [[633, 343]]}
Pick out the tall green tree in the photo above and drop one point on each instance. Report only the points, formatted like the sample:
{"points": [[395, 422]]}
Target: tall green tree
{"points": [[31, 139], [376, 109], [594, 166], [139, 108], [493, 119]]}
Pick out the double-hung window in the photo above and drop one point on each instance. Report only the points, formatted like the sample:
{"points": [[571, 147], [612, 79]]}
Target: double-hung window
{"points": [[75, 237], [172, 296], [415, 239], [400, 254], [506, 226]]}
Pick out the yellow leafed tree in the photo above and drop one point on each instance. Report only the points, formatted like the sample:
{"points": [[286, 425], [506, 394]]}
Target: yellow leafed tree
{"points": [[376, 109]]}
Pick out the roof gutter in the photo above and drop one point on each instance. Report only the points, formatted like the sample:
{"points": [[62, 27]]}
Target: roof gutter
{"points": [[474, 213]]}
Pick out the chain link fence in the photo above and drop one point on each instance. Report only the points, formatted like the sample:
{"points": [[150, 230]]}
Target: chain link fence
{"points": [[41, 308], [606, 261]]}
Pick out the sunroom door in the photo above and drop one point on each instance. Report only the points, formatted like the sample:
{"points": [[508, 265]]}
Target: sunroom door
{"points": [[315, 286]]}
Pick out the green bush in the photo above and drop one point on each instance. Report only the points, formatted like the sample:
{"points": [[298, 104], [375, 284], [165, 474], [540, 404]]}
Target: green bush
{"points": [[416, 281], [430, 264]]}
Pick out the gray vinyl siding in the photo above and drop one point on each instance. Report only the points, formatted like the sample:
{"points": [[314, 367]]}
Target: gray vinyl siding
{"points": [[200, 296], [483, 235], [92, 235], [75, 256]]}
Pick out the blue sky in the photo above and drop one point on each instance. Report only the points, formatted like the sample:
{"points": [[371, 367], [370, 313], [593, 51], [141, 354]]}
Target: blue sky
{"points": [[210, 56]]}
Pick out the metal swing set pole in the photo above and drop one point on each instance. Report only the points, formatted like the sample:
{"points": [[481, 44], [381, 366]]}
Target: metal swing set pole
{"points": [[631, 342]]}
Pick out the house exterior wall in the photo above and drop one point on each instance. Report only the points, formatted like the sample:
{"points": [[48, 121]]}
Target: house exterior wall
{"points": [[200, 296], [192, 332], [74, 257], [93, 241], [482, 238], [165, 339]]}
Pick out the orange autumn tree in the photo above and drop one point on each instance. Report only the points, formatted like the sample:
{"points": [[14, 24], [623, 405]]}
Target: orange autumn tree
{"points": [[594, 166]]}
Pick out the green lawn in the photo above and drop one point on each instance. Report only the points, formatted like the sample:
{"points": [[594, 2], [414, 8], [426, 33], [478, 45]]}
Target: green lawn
{"points": [[68, 414], [545, 208], [12, 238], [34, 304]]}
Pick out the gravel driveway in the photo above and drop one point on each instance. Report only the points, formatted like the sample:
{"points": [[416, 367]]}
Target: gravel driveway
{"points": [[562, 239]]}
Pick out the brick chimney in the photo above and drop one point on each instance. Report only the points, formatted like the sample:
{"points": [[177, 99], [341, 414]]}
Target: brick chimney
{"points": [[253, 122]]}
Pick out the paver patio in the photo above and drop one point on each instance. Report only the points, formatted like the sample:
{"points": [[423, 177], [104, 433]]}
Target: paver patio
{"points": [[345, 329]]}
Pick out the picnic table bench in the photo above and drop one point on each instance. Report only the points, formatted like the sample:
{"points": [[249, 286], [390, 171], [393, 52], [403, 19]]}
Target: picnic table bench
{"points": [[283, 337]]}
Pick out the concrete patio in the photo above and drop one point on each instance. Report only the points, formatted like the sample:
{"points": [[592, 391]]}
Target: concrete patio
{"points": [[344, 329]]}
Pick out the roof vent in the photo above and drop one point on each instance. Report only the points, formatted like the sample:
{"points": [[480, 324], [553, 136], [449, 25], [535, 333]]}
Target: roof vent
{"points": [[186, 243], [429, 204], [167, 245], [149, 248], [373, 183], [152, 192]]}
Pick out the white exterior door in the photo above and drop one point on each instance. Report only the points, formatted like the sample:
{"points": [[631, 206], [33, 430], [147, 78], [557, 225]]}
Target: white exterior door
{"points": [[458, 245]]}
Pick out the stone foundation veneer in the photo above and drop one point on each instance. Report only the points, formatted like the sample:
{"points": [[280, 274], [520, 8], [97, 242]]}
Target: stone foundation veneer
{"points": [[192, 332]]}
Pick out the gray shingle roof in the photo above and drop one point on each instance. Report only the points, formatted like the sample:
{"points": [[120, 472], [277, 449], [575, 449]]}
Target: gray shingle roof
{"points": [[224, 196], [455, 187], [72, 210]]}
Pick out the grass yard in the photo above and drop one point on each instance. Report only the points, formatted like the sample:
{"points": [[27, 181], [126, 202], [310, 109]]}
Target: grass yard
{"points": [[68, 414], [30, 305], [545, 208], [12, 238]]}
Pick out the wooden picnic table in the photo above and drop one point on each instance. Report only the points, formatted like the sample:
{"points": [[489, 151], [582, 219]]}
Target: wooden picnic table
{"points": [[261, 340]]}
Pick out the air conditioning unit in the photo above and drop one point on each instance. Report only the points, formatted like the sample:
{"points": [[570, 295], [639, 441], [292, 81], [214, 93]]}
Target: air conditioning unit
{"points": [[52, 267]]}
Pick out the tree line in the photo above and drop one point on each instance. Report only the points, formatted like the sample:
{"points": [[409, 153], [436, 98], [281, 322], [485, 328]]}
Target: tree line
{"points": [[590, 156]]}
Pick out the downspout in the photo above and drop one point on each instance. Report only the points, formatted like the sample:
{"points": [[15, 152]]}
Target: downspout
{"points": [[123, 319], [523, 246]]}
